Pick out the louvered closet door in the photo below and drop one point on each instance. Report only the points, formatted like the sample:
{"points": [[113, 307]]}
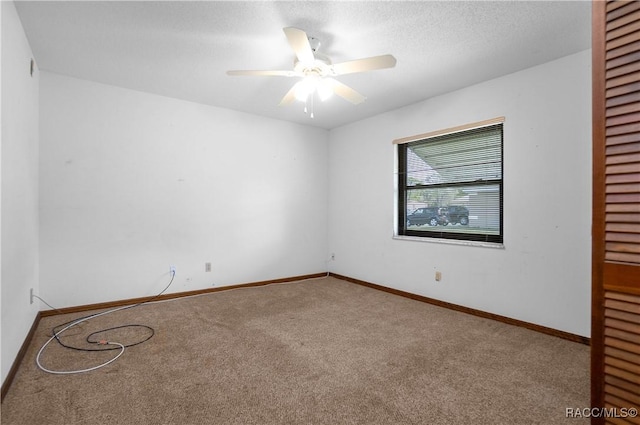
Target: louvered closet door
{"points": [[616, 203]]}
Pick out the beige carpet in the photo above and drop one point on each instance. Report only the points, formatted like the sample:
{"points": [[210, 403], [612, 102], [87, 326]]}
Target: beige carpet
{"points": [[321, 351]]}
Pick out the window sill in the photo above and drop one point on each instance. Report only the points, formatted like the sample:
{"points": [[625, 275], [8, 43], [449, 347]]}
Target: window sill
{"points": [[450, 241]]}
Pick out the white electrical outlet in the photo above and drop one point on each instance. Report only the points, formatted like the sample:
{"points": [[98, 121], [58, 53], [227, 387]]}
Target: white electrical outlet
{"points": [[31, 296], [438, 276], [172, 270], [207, 267]]}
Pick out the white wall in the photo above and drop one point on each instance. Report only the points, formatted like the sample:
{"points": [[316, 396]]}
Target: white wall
{"points": [[542, 275], [19, 188], [132, 183]]}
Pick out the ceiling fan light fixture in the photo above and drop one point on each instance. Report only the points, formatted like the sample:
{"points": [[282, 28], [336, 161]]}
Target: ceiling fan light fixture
{"points": [[304, 88], [324, 89], [310, 85]]}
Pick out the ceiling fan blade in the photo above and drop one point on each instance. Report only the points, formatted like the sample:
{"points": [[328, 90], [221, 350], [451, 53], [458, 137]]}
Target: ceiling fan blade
{"points": [[366, 64], [345, 91], [299, 42], [265, 73], [289, 97]]}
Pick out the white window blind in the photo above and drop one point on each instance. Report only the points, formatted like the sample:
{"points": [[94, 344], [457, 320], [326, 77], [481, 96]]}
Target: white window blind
{"points": [[450, 184]]}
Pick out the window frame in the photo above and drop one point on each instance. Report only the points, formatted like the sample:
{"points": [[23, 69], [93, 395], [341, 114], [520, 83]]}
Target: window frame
{"points": [[400, 226]]}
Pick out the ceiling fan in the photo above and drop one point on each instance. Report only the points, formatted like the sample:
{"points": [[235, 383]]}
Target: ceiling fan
{"points": [[316, 71]]}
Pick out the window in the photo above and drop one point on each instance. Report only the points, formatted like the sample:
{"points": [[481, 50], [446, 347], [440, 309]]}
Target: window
{"points": [[450, 184]]}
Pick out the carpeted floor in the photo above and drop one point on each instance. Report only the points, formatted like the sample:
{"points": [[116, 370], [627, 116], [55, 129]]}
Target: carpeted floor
{"points": [[321, 351]]}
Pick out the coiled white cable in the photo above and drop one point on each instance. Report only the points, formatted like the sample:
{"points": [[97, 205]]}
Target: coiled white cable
{"points": [[83, 319], [72, 324]]}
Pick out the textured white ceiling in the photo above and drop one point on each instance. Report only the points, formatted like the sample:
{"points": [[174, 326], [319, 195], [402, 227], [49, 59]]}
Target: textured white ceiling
{"points": [[183, 49]]}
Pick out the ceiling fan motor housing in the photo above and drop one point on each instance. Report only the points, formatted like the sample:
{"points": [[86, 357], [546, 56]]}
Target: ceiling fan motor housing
{"points": [[321, 66]]}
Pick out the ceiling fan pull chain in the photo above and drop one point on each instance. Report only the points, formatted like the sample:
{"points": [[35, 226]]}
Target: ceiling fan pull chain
{"points": [[308, 105]]}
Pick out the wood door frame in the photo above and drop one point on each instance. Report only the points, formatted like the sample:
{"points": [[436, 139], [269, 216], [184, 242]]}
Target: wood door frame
{"points": [[598, 47]]}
